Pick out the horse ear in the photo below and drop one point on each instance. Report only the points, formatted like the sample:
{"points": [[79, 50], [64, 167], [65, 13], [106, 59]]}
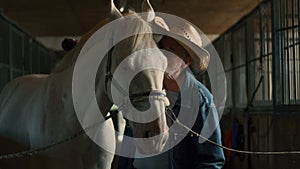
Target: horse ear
{"points": [[114, 10], [148, 11]]}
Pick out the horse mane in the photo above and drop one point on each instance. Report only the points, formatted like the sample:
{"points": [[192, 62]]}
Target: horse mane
{"points": [[135, 22]]}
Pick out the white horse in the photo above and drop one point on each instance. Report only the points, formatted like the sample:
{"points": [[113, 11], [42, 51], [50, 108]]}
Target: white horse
{"points": [[37, 110]]}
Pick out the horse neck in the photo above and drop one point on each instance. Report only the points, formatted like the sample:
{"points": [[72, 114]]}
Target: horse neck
{"points": [[69, 59], [62, 78]]}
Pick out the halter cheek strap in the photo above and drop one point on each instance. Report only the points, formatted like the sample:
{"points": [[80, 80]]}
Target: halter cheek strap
{"points": [[108, 74]]}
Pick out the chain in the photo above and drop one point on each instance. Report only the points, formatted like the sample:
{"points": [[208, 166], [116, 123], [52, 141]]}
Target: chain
{"points": [[32, 152], [35, 151], [227, 148]]}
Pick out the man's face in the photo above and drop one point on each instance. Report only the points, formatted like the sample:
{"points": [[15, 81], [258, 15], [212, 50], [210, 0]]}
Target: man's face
{"points": [[177, 56]]}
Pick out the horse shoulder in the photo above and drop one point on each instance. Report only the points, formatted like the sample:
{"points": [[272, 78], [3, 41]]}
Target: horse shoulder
{"points": [[16, 104]]}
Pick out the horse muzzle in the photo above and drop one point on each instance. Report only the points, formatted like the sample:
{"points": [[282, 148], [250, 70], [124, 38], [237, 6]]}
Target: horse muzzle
{"points": [[148, 122], [150, 137]]}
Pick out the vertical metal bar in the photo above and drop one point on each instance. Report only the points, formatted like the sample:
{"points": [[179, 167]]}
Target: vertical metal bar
{"points": [[30, 55], [294, 48], [234, 85], [276, 60], [23, 54], [298, 77], [281, 55], [272, 52], [279, 51], [247, 46], [262, 46], [10, 53], [269, 78], [287, 40], [284, 52], [268, 55], [276, 66]]}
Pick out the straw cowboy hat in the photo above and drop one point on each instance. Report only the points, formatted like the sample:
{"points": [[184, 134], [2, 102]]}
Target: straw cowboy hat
{"points": [[188, 37]]}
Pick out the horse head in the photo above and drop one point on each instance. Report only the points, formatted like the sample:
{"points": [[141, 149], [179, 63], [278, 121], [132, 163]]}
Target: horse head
{"points": [[137, 81]]}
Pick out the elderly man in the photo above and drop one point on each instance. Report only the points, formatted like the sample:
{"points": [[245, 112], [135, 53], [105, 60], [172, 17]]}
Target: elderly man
{"points": [[182, 45]]}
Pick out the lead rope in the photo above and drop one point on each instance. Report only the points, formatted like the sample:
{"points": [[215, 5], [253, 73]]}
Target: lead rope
{"points": [[32, 152], [227, 148]]}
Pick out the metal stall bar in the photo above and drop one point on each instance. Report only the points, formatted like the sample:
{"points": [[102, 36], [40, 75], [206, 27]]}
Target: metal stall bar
{"points": [[269, 50], [278, 73], [20, 53], [298, 79], [279, 33], [262, 44], [294, 52], [287, 51]]}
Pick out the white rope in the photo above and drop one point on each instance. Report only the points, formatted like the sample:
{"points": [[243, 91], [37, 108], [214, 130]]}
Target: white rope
{"points": [[231, 149]]}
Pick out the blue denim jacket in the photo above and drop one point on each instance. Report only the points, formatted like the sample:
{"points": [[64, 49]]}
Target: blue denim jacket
{"points": [[191, 109], [192, 152]]}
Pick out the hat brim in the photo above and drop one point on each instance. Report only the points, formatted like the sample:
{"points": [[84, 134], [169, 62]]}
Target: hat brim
{"points": [[199, 55]]}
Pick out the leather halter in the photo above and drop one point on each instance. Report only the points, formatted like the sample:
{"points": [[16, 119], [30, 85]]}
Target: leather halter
{"points": [[108, 74]]}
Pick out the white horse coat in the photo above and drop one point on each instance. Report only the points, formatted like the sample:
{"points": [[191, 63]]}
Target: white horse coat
{"points": [[37, 110]]}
